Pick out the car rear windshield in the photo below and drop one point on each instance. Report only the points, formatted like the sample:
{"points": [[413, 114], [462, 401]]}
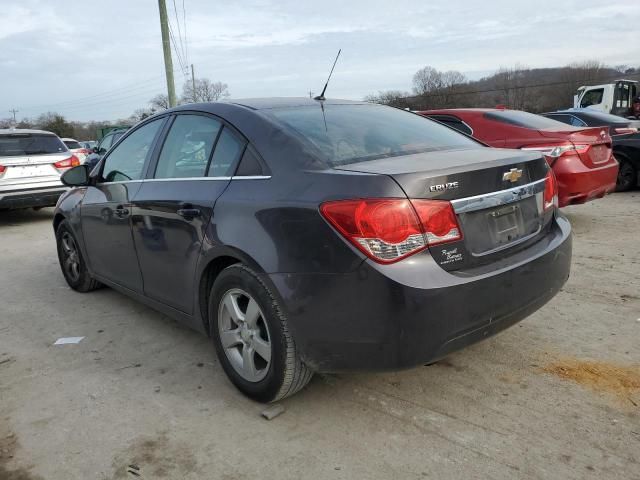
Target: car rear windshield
{"points": [[605, 118], [16, 144], [526, 120], [70, 144], [346, 134]]}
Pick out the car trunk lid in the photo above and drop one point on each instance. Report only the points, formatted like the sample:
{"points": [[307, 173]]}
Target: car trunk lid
{"points": [[496, 195], [592, 145]]}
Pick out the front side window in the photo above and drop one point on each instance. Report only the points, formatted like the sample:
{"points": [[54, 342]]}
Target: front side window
{"points": [[188, 146], [344, 134], [228, 151], [592, 97], [127, 160]]}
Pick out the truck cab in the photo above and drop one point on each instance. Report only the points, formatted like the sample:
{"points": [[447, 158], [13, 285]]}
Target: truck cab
{"points": [[615, 98]]}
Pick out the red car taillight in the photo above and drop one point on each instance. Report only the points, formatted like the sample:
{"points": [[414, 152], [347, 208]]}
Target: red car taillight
{"points": [[72, 161], [2, 169], [387, 230], [550, 191], [553, 152]]}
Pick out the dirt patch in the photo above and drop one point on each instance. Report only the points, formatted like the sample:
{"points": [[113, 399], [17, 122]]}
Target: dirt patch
{"points": [[621, 381], [154, 458], [8, 447]]}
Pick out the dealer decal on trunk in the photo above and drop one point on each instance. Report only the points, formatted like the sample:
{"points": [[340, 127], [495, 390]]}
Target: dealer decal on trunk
{"points": [[450, 256]]}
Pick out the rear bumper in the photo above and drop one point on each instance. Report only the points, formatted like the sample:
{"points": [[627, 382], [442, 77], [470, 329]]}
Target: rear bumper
{"points": [[32, 196], [413, 312], [578, 183]]}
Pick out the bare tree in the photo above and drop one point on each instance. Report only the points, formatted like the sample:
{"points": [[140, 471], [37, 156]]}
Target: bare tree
{"points": [[512, 82], [6, 122], [159, 102], [427, 80], [394, 98], [205, 91]]}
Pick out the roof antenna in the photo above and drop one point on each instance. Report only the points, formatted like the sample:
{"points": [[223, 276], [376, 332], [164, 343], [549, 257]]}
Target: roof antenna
{"points": [[321, 96]]}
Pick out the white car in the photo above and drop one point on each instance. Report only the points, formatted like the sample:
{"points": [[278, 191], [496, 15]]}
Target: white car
{"points": [[31, 163], [76, 148]]}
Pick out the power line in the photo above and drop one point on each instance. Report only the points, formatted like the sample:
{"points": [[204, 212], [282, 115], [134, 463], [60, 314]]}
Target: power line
{"points": [[175, 47], [175, 11], [113, 96], [517, 87], [184, 24], [136, 86]]}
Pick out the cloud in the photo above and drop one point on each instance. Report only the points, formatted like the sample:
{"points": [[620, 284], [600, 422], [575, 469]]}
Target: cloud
{"points": [[59, 56]]}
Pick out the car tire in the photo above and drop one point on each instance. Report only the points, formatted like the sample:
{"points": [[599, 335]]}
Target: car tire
{"points": [[627, 175], [244, 312], [72, 264]]}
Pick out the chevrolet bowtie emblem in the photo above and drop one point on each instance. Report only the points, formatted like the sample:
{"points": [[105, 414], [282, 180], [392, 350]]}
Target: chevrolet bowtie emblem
{"points": [[512, 175]]}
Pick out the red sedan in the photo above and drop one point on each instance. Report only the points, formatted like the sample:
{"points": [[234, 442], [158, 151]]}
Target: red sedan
{"points": [[581, 158]]}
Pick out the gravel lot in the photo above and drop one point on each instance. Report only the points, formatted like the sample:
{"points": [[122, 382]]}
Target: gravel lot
{"points": [[557, 396]]}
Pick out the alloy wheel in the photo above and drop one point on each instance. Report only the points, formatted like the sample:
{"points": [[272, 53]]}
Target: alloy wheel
{"points": [[71, 257], [244, 335]]}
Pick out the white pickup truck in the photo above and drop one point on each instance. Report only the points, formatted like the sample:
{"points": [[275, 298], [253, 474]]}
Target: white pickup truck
{"points": [[616, 98]]}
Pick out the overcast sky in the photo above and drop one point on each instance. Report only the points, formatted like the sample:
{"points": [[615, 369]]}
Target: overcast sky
{"points": [[102, 60]]}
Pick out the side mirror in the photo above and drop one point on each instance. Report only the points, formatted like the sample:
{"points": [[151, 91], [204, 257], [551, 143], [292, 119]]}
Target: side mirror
{"points": [[76, 177], [95, 149]]}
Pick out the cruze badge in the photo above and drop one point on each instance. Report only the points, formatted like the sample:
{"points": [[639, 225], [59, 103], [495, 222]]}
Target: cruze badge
{"points": [[441, 187], [512, 175]]}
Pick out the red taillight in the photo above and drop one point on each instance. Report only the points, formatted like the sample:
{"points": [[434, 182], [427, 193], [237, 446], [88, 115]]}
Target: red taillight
{"points": [[550, 191], [72, 161], [388, 230], [2, 169], [553, 152]]}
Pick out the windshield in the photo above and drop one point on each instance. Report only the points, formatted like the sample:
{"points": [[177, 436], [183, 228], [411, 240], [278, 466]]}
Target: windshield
{"points": [[346, 134], [526, 120], [16, 144]]}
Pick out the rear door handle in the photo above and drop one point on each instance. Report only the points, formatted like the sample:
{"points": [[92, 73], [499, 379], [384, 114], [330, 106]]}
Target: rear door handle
{"points": [[121, 211], [187, 211]]}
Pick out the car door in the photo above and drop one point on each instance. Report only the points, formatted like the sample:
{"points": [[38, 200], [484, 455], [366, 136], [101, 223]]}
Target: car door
{"points": [[173, 207], [106, 208]]}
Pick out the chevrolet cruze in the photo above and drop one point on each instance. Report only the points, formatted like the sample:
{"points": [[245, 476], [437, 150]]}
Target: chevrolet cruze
{"points": [[316, 236]]}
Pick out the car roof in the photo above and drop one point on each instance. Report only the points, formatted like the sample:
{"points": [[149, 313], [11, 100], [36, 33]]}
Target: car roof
{"points": [[11, 131], [454, 110], [591, 113], [65, 139], [268, 103]]}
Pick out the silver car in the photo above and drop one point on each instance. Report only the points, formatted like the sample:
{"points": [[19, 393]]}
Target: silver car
{"points": [[31, 162]]}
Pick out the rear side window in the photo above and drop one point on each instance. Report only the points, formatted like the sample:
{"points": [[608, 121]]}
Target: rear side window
{"points": [[71, 144], [523, 119], [453, 122], [188, 146], [576, 122], [249, 165], [344, 134], [126, 161], [226, 155], [17, 144]]}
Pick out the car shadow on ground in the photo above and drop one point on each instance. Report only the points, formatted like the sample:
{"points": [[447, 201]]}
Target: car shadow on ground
{"points": [[13, 218]]}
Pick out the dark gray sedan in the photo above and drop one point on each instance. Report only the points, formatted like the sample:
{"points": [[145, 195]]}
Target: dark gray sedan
{"points": [[316, 236]]}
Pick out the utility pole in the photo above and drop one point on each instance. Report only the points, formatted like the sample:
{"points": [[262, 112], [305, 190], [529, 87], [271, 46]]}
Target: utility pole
{"points": [[166, 48], [14, 111], [193, 83]]}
